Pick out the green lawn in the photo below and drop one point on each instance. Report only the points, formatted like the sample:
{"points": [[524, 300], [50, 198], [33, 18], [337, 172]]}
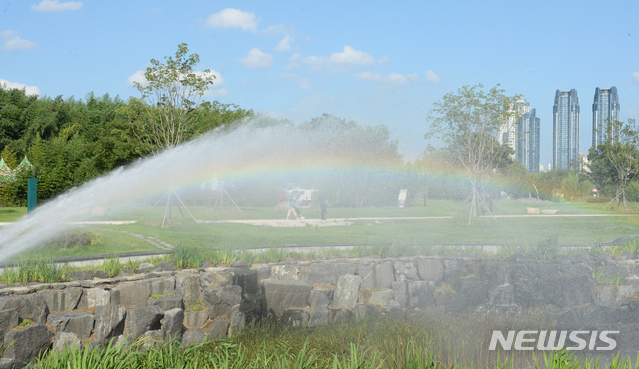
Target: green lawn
{"points": [[11, 214], [514, 231], [432, 208], [483, 230], [111, 242]]}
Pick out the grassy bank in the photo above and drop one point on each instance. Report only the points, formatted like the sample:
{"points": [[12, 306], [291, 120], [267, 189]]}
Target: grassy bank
{"points": [[389, 343], [429, 231]]}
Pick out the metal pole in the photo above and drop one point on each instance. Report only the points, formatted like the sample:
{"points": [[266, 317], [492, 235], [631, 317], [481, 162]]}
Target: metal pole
{"points": [[32, 194]]}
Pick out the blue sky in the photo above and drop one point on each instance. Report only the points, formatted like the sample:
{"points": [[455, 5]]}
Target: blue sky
{"points": [[369, 61]]}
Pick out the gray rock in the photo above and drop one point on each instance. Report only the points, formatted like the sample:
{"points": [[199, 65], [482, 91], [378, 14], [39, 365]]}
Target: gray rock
{"points": [[237, 322], [11, 364], [247, 279], [145, 268], [133, 294], [376, 276], [380, 299], [444, 293], [238, 264], [430, 269], [152, 338], [92, 297], [263, 272], [109, 322], [400, 293], [298, 318], [141, 320], [163, 286], [221, 301], [422, 294], [319, 313], [288, 272], [26, 344], [405, 271], [65, 300], [8, 320], [612, 296], [76, 322], [167, 303], [193, 337], [206, 264], [67, 341], [114, 296], [342, 315], [172, 324], [363, 311], [100, 274], [32, 307], [285, 294], [79, 274], [124, 341], [188, 287], [216, 280], [323, 273], [196, 318], [166, 267], [366, 261], [218, 330], [346, 293]]}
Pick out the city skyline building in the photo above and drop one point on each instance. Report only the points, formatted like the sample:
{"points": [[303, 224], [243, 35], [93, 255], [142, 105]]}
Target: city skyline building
{"points": [[565, 124], [605, 109], [508, 130], [528, 134]]}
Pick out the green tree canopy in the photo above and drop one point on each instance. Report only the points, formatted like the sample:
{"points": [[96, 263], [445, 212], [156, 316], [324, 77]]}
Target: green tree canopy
{"points": [[468, 123], [172, 92]]}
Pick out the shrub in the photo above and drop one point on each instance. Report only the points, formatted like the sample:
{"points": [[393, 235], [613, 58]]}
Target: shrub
{"points": [[75, 239]]}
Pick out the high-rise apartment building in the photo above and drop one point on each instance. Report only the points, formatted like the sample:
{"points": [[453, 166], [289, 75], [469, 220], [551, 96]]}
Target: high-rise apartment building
{"points": [[507, 132], [527, 151], [605, 109], [565, 134]]}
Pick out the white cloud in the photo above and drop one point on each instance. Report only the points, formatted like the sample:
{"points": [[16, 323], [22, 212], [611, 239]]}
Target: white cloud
{"points": [[13, 41], [302, 83], [271, 30], [9, 33], [257, 59], [30, 90], [636, 76], [136, 77], [295, 57], [218, 88], [431, 76], [233, 18], [349, 57], [56, 6], [383, 60], [285, 44], [292, 66], [386, 78]]}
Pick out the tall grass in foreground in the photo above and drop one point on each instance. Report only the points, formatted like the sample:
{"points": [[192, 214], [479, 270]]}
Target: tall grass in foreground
{"points": [[45, 271], [300, 351]]}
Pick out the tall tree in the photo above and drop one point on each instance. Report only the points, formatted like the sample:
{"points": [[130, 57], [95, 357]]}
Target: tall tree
{"points": [[618, 156], [468, 122], [172, 92]]}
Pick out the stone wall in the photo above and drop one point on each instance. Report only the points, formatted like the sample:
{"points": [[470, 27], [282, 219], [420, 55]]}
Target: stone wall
{"points": [[194, 305]]}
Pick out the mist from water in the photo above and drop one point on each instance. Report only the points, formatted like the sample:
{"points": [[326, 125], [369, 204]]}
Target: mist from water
{"points": [[252, 151]]}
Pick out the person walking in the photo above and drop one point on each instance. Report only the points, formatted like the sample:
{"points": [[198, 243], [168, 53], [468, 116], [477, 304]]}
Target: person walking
{"points": [[297, 207], [323, 209], [291, 209]]}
